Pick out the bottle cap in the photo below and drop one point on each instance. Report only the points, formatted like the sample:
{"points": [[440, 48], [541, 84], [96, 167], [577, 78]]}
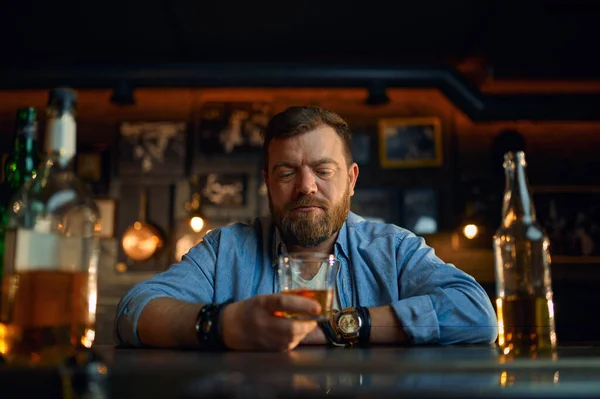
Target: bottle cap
{"points": [[63, 99]]}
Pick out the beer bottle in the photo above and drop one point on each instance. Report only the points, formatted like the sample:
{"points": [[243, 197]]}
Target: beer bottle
{"points": [[50, 281], [522, 265], [20, 166]]}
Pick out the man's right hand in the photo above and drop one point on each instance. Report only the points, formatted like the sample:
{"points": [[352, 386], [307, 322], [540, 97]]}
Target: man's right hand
{"points": [[252, 324]]}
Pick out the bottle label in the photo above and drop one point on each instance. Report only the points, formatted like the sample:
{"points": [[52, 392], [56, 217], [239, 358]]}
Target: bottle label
{"points": [[61, 137], [39, 250]]}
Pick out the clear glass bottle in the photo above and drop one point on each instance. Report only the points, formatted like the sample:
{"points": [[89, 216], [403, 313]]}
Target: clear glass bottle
{"points": [[49, 288], [522, 263]]}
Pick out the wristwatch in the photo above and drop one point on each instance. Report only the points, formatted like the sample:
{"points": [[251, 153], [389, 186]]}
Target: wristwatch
{"points": [[354, 326], [350, 327]]}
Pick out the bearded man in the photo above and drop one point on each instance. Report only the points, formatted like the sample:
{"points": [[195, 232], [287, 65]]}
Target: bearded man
{"points": [[224, 294]]}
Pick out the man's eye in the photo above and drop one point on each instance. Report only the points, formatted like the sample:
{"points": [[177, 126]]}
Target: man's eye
{"points": [[324, 172], [286, 174]]}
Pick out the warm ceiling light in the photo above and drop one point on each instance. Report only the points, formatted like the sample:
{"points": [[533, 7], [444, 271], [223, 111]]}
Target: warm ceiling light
{"points": [[470, 231], [196, 223]]}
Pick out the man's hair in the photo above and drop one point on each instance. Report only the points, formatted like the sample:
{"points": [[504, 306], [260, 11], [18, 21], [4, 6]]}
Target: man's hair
{"points": [[299, 120]]}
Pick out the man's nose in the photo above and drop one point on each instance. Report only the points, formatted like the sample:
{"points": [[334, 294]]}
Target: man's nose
{"points": [[306, 182]]}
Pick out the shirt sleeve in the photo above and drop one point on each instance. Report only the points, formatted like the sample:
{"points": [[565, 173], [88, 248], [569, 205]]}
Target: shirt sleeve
{"points": [[191, 280], [439, 303]]}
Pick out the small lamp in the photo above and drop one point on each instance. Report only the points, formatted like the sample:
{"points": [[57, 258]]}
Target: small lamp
{"points": [[190, 230]]}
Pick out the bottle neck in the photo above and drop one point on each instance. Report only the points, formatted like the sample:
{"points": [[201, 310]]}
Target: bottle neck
{"points": [[22, 163], [61, 138], [25, 140], [518, 203]]}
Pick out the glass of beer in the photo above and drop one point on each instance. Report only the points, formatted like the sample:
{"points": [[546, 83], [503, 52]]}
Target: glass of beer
{"points": [[311, 275]]}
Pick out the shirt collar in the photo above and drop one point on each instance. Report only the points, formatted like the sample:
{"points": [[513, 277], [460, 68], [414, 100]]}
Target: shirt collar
{"points": [[279, 247]]}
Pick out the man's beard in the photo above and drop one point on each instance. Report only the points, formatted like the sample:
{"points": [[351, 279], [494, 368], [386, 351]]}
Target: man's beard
{"points": [[309, 229]]}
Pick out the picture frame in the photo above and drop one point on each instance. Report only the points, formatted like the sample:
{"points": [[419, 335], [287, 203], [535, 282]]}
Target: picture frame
{"points": [[420, 213], [224, 189], [361, 148], [377, 204], [89, 166], [108, 213], [570, 215], [153, 148], [410, 142], [231, 127], [233, 193]]}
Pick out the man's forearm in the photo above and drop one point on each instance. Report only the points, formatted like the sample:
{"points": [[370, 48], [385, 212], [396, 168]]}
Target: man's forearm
{"points": [[385, 326], [168, 323]]}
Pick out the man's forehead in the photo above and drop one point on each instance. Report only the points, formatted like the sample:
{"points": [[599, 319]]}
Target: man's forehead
{"points": [[323, 136]]}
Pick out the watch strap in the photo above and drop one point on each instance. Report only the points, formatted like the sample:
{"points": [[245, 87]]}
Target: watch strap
{"points": [[329, 331], [364, 335], [208, 326]]}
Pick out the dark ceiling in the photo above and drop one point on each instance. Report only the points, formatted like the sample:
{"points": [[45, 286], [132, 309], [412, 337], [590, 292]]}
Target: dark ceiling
{"points": [[527, 38]]}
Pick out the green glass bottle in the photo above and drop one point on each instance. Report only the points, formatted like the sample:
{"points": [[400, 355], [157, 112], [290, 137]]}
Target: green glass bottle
{"points": [[20, 166]]}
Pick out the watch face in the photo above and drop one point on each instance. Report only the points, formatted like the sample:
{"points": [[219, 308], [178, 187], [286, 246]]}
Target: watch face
{"points": [[349, 323]]}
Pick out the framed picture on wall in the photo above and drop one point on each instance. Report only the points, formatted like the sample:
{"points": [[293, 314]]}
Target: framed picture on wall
{"points": [[361, 148], [229, 189], [376, 204], [224, 189], [89, 166], [420, 210], [231, 127], [571, 217], [410, 142], [152, 148]]}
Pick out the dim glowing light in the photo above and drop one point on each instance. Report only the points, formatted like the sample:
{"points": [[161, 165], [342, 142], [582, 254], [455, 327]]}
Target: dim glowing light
{"points": [[3, 339], [196, 223], [470, 231], [88, 338], [503, 378]]}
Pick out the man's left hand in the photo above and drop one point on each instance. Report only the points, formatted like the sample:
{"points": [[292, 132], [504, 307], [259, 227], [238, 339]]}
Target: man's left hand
{"points": [[316, 337]]}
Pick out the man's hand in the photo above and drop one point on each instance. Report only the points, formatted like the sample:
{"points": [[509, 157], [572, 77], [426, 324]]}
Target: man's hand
{"points": [[315, 337], [252, 324]]}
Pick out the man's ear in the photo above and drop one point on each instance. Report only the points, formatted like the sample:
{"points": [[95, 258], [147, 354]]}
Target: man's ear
{"points": [[352, 177], [265, 177]]}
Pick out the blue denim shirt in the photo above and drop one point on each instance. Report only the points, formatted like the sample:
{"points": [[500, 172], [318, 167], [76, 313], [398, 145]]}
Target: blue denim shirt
{"points": [[380, 264]]}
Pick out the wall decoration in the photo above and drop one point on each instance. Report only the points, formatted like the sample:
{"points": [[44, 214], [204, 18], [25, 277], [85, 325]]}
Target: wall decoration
{"points": [[410, 142], [232, 127], [376, 204], [420, 210], [153, 148], [571, 217], [89, 166], [361, 148], [229, 189], [224, 189]]}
